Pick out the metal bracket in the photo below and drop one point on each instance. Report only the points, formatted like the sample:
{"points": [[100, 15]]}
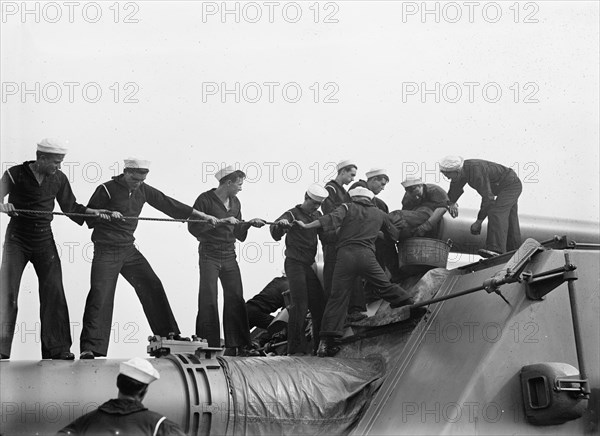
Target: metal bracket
{"points": [[559, 243], [566, 384], [538, 285], [160, 346], [513, 270]]}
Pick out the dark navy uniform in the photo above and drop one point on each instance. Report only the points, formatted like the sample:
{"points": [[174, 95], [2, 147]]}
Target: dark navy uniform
{"points": [[500, 189], [359, 223], [218, 261], [416, 211], [122, 417], [306, 292], [433, 198], [115, 253], [385, 250], [29, 238], [267, 301], [337, 196]]}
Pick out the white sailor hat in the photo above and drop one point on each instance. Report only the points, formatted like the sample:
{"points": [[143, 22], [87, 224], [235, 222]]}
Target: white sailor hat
{"points": [[412, 181], [359, 191], [224, 172], [139, 369], [141, 164], [317, 192], [51, 145], [451, 163], [345, 163], [373, 172]]}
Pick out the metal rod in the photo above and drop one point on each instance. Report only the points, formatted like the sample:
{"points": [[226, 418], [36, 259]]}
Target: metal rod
{"points": [[447, 297], [557, 271], [576, 330], [548, 241], [277, 344], [586, 245]]}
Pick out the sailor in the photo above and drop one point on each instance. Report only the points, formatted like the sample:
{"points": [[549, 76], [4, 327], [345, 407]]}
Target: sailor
{"points": [[499, 188], [35, 185], [306, 292], [262, 305], [377, 179], [126, 415], [359, 223], [115, 253], [346, 171], [423, 206], [218, 261], [385, 250]]}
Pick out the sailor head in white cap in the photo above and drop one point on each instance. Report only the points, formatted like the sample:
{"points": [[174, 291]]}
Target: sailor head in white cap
{"points": [[359, 191], [314, 197], [49, 156], [230, 181], [346, 171], [377, 178], [140, 370], [135, 172], [451, 167], [413, 186], [52, 146], [137, 165]]}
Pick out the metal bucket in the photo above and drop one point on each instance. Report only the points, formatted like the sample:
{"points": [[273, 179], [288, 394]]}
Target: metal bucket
{"points": [[423, 254]]}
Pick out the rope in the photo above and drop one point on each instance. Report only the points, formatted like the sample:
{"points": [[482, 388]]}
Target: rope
{"points": [[139, 218]]}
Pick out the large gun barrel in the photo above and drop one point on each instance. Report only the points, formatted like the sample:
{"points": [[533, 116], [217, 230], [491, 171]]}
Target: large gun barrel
{"points": [[532, 226]]}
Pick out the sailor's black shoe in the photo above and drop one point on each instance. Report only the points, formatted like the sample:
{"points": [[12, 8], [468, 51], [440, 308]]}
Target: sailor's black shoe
{"points": [[86, 355], [355, 317], [247, 351], [297, 354], [327, 349], [400, 303], [63, 355], [417, 312]]}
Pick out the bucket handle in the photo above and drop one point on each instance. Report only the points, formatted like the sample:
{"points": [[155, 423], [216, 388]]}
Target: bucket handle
{"points": [[449, 242]]}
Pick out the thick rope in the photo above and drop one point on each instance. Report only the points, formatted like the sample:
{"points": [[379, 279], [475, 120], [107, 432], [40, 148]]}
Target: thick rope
{"points": [[87, 215]]}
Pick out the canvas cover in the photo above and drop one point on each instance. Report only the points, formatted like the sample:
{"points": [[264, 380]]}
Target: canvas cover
{"points": [[299, 395]]}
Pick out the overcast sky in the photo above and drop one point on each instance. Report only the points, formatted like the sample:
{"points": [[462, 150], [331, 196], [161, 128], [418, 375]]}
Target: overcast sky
{"points": [[284, 90]]}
